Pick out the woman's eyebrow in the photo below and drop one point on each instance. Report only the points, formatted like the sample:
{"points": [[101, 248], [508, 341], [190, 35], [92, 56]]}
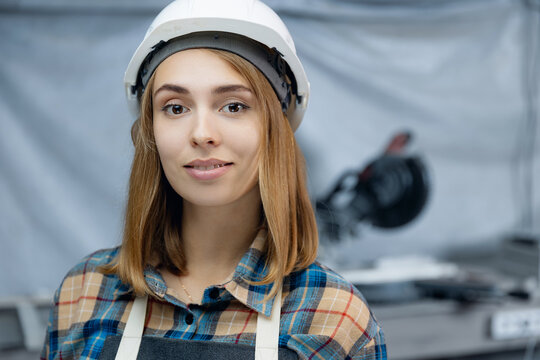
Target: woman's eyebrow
{"points": [[230, 88], [175, 88], [217, 91]]}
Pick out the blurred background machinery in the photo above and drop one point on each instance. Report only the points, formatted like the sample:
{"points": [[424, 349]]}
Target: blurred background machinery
{"points": [[389, 192]]}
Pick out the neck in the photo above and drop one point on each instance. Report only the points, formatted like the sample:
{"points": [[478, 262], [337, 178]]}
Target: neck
{"points": [[214, 238]]}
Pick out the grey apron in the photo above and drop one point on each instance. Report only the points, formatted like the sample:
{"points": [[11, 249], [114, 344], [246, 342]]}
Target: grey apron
{"points": [[132, 345]]}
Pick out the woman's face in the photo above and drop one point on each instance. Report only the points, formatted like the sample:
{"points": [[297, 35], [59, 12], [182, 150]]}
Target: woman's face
{"points": [[206, 126]]}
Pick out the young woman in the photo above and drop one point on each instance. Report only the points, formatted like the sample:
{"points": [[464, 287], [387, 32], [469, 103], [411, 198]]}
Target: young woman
{"points": [[218, 254]]}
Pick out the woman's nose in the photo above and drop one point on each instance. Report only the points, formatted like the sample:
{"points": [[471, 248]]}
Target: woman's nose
{"points": [[205, 132]]}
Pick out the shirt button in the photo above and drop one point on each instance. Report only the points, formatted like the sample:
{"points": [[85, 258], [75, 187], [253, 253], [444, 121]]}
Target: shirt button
{"points": [[214, 293], [189, 319]]}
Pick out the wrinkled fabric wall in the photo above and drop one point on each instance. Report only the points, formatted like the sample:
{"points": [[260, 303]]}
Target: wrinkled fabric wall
{"points": [[455, 73], [459, 74]]}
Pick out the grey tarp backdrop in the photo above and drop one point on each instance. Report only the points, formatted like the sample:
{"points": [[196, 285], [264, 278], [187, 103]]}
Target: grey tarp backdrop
{"points": [[462, 75]]}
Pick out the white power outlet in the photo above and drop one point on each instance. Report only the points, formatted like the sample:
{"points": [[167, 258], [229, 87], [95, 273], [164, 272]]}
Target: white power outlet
{"points": [[514, 324]]}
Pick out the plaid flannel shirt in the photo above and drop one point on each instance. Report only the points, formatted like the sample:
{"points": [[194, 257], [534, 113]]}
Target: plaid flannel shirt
{"points": [[322, 315]]}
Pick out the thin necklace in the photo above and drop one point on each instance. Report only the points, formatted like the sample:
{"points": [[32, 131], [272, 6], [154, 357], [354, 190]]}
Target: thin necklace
{"points": [[185, 290]]}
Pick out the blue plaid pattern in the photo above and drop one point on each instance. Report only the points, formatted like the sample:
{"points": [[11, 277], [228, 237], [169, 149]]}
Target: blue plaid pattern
{"points": [[322, 315]]}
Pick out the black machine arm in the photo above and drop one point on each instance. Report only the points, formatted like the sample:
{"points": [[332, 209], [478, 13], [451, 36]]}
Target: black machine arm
{"points": [[389, 192]]}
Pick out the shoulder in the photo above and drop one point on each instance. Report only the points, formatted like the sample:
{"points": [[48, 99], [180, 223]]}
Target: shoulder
{"points": [[89, 273], [327, 313], [87, 307], [87, 284], [94, 261], [318, 283], [86, 288]]}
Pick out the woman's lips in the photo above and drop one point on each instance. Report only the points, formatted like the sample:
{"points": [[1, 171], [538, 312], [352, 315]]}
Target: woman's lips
{"points": [[207, 169]]}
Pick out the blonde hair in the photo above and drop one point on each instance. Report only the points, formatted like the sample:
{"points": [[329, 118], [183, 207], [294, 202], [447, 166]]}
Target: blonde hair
{"points": [[152, 229]]}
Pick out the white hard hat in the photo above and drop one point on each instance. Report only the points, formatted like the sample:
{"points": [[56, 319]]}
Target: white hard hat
{"points": [[239, 26]]}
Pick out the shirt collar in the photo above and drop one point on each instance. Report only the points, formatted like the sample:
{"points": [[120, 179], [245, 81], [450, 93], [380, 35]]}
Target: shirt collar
{"points": [[251, 268], [153, 279]]}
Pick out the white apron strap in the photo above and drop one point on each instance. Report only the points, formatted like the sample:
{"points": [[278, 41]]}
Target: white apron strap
{"points": [[131, 339], [266, 341], [267, 337]]}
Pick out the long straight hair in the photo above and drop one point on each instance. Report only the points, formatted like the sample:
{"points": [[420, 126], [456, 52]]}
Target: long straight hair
{"points": [[152, 229]]}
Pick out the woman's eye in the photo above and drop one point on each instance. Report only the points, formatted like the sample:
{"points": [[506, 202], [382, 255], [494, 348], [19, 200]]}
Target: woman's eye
{"points": [[234, 107], [174, 109]]}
